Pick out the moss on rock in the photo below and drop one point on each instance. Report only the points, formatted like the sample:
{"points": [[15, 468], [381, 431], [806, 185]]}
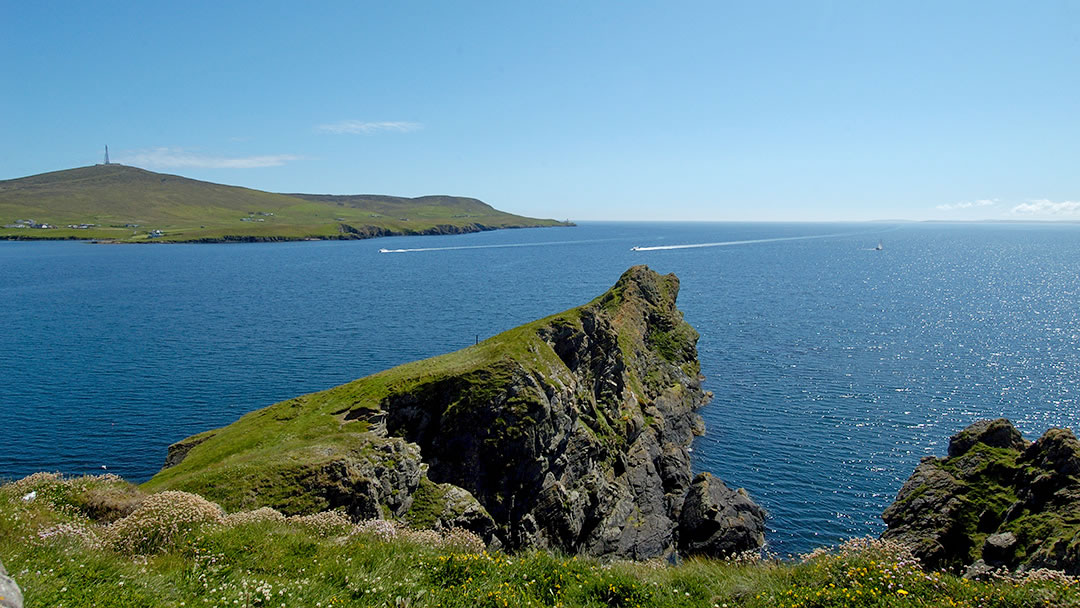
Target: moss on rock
{"points": [[996, 498]]}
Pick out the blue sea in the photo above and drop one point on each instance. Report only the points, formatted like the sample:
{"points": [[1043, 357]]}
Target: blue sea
{"points": [[835, 367]]}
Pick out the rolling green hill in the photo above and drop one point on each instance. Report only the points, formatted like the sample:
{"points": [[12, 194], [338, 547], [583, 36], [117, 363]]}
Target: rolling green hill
{"points": [[127, 204]]}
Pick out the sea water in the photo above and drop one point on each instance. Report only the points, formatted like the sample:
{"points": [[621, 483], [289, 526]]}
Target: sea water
{"points": [[835, 366]]}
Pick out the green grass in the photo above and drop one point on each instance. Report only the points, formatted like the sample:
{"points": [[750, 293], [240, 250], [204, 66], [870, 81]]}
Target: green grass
{"points": [[187, 210], [260, 455], [62, 557], [276, 456]]}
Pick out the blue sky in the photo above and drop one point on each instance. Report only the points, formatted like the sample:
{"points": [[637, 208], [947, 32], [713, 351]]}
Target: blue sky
{"points": [[810, 110]]}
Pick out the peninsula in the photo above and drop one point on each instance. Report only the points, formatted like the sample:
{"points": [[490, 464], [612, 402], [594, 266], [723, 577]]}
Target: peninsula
{"points": [[118, 203], [569, 433]]}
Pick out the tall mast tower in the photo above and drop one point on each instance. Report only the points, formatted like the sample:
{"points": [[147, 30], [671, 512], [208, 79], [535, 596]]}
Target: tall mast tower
{"points": [[106, 154]]}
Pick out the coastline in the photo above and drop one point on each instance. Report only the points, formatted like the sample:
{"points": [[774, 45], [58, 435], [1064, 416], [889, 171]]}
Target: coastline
{"points": [[347, 233]]}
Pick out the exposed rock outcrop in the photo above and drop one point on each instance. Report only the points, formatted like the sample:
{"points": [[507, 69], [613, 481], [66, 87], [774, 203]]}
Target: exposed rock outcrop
{"points": [[717, 521], [996, 498], [10, 595], [180, 449], [348, 231], [568, 433]]}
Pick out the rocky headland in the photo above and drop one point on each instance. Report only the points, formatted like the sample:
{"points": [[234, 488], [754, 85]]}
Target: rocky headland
{"points": [[996, 501], [569, 433]]}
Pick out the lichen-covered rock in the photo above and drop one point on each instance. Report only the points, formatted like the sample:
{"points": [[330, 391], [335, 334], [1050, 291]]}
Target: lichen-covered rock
{"points": [[569, 433], [926, 514], [996, 501], [999, 549], [718, 521], [10, 595], [372, 482]]}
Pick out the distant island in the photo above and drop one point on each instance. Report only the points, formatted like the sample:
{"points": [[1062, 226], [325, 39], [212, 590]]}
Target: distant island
{"points": [[122, 204]]}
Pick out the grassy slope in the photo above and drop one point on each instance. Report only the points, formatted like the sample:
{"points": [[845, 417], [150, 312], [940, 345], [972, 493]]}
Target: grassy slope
{"points": [[187, 209], [261, 458], [277, 456], [243, 453], [62, 551]]}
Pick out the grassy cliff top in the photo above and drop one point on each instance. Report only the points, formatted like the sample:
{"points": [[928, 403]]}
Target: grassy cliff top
{"points": [[299, 431], [127, 203]]}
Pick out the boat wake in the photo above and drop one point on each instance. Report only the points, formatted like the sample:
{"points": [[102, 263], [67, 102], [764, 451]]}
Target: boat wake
{"points": [[730, 243]]}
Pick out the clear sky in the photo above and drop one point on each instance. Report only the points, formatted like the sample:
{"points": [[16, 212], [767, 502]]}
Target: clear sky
{"points": [[800, 110]]}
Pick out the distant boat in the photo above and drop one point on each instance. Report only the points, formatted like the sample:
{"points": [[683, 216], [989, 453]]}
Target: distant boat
{"points": [[384, 251], [635, 249], [879, 247]]}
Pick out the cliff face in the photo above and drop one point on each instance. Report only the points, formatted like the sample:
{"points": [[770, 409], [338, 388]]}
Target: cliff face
{"points": [[569, 433], [996, 498]]}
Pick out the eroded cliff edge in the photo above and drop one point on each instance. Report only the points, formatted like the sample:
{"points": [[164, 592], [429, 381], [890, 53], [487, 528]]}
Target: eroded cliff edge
{"points": [[997, 500], [568, 433]]}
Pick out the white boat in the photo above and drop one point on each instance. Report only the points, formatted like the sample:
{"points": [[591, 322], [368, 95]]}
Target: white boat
{"points": [[384, 250], [879, 247], [635, 248]]}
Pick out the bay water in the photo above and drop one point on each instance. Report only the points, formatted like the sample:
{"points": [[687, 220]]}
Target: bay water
{"points": [[835, 366]]}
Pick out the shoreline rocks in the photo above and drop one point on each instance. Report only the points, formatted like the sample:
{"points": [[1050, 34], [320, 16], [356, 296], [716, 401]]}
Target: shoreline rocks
{"points": [[996, 500]]}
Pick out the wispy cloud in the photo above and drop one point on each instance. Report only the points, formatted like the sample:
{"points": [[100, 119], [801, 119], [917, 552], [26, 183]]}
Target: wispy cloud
{"points": [[174, 158], [360, 127], [983, 202], [1047, 207]]}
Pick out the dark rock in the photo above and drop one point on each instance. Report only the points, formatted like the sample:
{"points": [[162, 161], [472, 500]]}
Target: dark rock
{"points": [[926, 512], [10, 595], [370, 483], [717, 521], [179, 450], [999, 549], [1059, 552], [564, 480], [463, 511], [1056, 452], [996, 499]]}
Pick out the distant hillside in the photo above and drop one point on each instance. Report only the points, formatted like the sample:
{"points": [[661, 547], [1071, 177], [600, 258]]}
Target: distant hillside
{"points": [[121, 203]]}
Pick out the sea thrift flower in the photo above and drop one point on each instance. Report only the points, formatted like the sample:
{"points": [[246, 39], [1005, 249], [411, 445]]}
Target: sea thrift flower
{"points": [[159, 521]]}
